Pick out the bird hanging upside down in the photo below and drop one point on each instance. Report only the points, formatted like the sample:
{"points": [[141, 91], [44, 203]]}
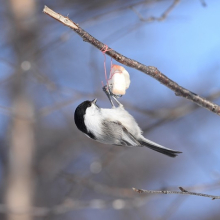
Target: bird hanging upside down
{"points": [[113, 126]]}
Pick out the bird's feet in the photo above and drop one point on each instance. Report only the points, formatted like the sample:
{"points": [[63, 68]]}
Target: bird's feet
{"points": [[110, 94], [107, 92]]}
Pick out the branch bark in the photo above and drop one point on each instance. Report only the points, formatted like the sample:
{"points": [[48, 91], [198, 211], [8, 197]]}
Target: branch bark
{"points": [[182, 192], [149, 70]]}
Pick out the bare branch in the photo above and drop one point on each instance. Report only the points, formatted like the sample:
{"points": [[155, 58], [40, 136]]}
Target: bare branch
{"points": [[113, 12], [166, 13], [60, 18], [182, 192], [152, 18], [149, 70]]}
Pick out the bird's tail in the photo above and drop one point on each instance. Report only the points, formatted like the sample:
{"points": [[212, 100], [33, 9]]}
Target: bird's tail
{"points": [[154, 146]]}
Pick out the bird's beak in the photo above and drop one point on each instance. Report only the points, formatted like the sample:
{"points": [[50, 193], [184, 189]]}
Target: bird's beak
{"points": [[94, 101]]}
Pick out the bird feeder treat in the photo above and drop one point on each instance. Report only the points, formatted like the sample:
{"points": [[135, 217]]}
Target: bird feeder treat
{"points": [[119, 80]]}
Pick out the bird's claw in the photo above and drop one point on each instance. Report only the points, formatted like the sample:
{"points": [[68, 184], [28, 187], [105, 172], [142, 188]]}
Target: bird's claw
{"points": [[107, 92], [110, 94]]}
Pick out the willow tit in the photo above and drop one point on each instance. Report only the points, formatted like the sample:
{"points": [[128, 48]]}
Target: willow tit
{"points": [[113, 126]]}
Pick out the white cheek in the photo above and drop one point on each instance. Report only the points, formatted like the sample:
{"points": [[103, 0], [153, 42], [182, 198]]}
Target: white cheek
{"points": [[92, 120], [91, 111]]}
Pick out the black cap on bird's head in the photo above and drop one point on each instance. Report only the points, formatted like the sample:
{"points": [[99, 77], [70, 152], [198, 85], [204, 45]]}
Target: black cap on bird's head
{"points": [[81, 109], [79, 116]]}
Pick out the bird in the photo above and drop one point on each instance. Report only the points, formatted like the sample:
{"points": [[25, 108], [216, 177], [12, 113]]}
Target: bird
{"points": [[114, 126]]}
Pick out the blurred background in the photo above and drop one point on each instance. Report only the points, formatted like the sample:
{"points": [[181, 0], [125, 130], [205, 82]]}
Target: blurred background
{"points": [[49, 170]]}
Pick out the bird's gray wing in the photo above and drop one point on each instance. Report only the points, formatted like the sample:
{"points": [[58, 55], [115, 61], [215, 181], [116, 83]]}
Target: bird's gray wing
{"points": [[115, 133]]}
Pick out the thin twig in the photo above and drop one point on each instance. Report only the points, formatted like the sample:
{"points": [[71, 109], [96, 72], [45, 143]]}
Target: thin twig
{"points": [[152, 18], [166, 13], [114, 12], [149, 70], [182, 191]]}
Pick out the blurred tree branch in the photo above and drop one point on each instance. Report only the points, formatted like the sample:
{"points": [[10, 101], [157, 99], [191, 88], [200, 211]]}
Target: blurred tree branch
{"points": [[177, 112], [152, 18], [69, 205], [149, 70]]}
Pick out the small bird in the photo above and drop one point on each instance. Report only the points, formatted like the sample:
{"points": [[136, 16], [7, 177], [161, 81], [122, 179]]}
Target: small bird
{"points": [[114, 126]]}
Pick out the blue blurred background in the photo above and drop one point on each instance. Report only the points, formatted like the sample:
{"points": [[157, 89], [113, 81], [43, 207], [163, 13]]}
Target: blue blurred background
{"points": [[49, 67]]}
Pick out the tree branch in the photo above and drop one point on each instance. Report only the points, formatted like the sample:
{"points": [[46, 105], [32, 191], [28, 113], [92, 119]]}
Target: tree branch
{"points": [[182, 192], [149, 70], [152, 18]]}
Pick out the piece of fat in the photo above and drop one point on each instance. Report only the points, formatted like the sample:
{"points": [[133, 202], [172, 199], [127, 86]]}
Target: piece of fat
{"points": [[119, 80]]}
